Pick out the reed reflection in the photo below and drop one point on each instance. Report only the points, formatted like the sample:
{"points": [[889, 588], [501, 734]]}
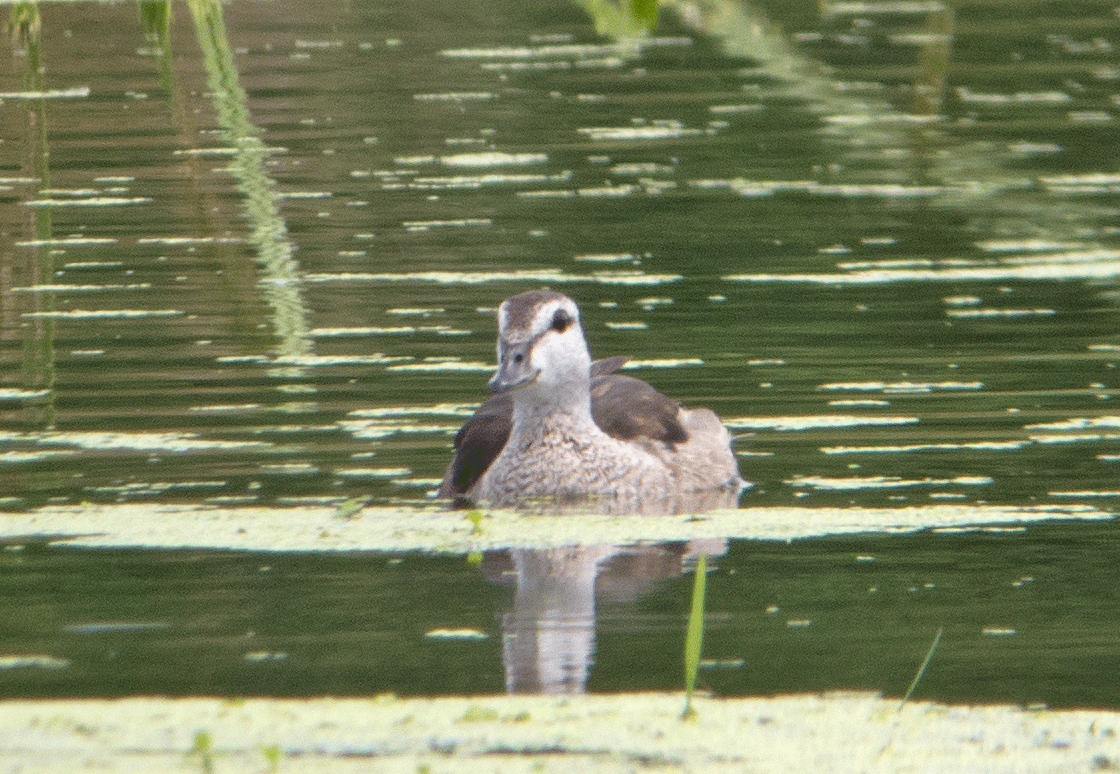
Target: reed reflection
{"points": [[280, 280], [26, 315]]}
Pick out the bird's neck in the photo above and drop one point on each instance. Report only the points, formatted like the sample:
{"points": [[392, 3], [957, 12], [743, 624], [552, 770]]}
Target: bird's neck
{"points": [[566, 406]]}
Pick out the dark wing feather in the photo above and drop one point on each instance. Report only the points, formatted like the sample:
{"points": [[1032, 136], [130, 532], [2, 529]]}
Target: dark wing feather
{"points": [[608, 365], [477, 444], [626, 408], [622, 406]]}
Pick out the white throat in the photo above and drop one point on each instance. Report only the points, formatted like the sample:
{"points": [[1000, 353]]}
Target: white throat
{"points": [[553, 403]]}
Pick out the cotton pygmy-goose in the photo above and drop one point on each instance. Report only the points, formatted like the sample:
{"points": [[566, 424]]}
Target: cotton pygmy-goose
{"points": [[561, 426]]}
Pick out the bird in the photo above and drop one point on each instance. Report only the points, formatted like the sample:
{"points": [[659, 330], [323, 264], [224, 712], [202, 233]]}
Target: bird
{"points": [[561, 426]]}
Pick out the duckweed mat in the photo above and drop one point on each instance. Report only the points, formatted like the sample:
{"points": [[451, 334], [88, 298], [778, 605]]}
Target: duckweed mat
{"points": [[840, 732], [319, 528]]}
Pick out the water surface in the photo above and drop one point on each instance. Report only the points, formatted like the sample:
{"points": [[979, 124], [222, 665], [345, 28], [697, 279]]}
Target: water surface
{"points": [[252, 257], [1021, 621]]}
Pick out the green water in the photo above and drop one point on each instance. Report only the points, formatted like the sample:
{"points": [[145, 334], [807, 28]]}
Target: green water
{"points": [[1028, 617], [252, 257]]}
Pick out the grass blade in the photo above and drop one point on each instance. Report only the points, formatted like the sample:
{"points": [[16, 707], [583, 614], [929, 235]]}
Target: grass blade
{"points": [[922, 669], [694, 638]]}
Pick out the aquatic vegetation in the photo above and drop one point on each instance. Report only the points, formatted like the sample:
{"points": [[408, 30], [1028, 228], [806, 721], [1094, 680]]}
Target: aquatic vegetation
{"points": [[349, 509], [456, 634], [922, 669], [204, 750], [475, 518], [198, 408], [694, 637], [272, 755], [477, 714]]}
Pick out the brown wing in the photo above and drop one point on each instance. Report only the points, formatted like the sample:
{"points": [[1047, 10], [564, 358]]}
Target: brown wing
{"points": [[481, 439], [626, 408], [477, 444], [622, 406]]}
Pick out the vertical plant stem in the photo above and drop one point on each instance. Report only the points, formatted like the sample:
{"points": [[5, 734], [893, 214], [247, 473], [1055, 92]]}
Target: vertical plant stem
{"points": [[922, 669], [694, 638]]}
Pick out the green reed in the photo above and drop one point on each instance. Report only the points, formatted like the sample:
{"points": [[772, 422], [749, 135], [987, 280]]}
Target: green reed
{"points": [[694, 637], [922, 669]]}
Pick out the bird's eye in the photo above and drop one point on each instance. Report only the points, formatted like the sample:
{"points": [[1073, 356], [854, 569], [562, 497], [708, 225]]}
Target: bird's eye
{"points": [[561, 320]]}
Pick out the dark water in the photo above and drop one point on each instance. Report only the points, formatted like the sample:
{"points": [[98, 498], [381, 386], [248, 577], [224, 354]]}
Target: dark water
{"points": [[253, 259], [1021, 622]]}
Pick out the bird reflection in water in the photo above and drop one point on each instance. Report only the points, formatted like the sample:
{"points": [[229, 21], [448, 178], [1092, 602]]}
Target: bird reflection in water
{"points": [[549, 634]]}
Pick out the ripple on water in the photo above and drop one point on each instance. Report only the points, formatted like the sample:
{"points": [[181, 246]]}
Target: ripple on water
{"points": [[661, 362], [1076, 430], [314, 361], [148, 442], [33, 661], [372, 473], [455, 96], [855, 483], [543, 276], [995, 446], [442, 365], [609, 258], [103, 314], [74, 92], [436, 410], [573, 51], [82, 288], [105, 627], [900, 387], [794, 424], [328, 333], [92, 201], [13, 393], [1080, 493], [1078, 423], [1084, 264], [385, 428], [480, 181], [493, 159], [663, 131], [68, 242], [989, 314]]}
